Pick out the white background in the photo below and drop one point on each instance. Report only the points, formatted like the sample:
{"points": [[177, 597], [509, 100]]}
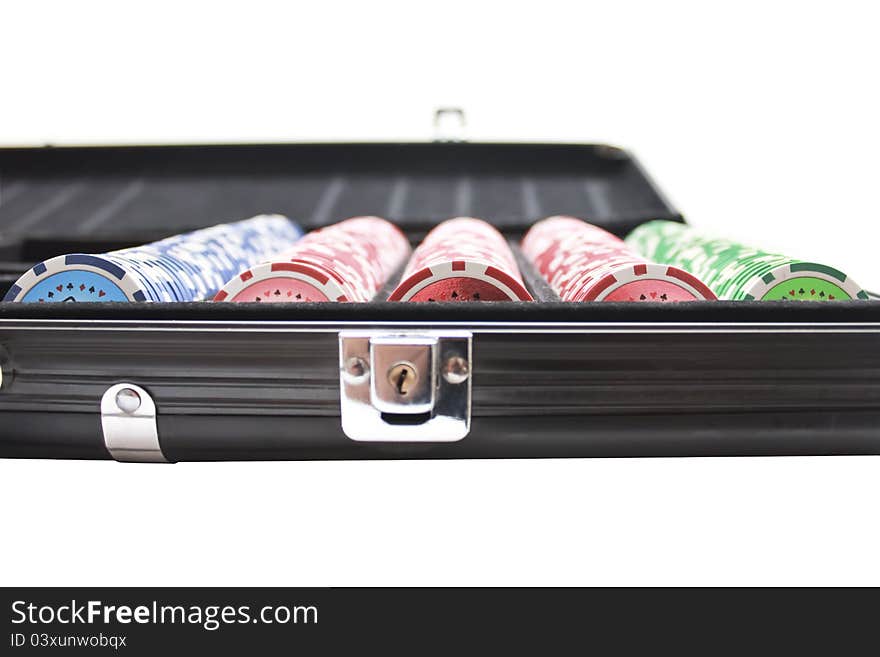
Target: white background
{"points": [[756, 118]]}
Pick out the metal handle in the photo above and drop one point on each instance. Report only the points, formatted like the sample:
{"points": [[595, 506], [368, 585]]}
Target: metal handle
{"points": [[449, 124]]}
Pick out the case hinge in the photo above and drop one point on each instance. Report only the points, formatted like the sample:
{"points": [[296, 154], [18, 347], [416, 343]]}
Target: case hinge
{"points": [[128, 420], [405, 387]]}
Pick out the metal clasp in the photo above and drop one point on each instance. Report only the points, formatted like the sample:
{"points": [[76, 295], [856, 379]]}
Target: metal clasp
{"points": [[405, 387], [128, 420]]}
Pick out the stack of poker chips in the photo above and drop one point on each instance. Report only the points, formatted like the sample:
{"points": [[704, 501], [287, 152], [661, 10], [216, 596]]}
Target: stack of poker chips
{"points": [[348, 261], [187, 267], [582, 262], [462, 259], [735, 271]]}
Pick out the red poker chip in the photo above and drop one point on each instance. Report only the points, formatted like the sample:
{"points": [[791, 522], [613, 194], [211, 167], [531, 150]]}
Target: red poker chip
{"points": [[460, 280], [582, 262], [284, 282], [348, 261], [462, 259]]}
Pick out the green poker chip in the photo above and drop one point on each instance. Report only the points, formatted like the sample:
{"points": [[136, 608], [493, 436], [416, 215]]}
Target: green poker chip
{"points": [[735, 271]]}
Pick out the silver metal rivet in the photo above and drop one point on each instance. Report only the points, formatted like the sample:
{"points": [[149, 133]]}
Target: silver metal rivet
{"points": [[456, 370], [356, 369], [403, 376], [128, 400]]}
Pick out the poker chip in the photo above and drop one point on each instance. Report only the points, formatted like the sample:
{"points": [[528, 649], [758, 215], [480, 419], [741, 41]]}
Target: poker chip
{"points": [[462, 259], [348, 261], [736, 271], [582, 262], [187, 267]]}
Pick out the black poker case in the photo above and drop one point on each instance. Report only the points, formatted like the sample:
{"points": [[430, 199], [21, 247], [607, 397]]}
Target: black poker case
{"points": [[269, 381]]}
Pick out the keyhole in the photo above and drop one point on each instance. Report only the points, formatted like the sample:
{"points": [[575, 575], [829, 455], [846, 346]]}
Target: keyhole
{"points": [[401, 381], [402, 376]]}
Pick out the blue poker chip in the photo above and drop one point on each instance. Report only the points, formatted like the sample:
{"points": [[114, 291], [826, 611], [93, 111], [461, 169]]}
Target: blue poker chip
{"points": [[159, 285], [77, 277], [187, 267]]}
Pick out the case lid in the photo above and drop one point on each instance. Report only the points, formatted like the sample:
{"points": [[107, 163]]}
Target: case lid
{"points": [[61, 199]]}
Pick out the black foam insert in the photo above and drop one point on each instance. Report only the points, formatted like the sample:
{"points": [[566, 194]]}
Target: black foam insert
{"points": [[536, 284]]}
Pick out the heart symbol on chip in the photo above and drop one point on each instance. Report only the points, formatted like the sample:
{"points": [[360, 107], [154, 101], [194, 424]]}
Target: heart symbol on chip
{"points": [[101, 293]]}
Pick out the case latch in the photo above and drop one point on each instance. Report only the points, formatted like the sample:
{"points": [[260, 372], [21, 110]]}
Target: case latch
{"points": [[128, 420], [405, 387]]}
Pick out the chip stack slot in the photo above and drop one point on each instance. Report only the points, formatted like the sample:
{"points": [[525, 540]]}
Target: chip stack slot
{"points": [[736, 271], [462, 259], [348, 261], [188, 267], [582, 262]]}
